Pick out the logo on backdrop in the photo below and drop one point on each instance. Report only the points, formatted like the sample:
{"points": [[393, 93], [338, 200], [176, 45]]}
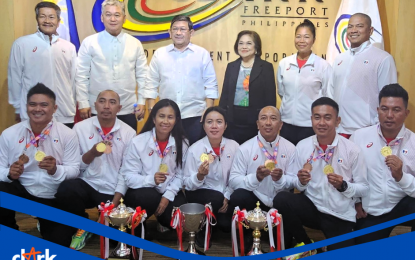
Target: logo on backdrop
{"points": [[152, 25], [33, 254]]}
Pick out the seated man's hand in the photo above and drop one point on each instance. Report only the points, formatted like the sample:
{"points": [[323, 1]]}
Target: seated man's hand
{"points": [[49, 164], [16, 169]]}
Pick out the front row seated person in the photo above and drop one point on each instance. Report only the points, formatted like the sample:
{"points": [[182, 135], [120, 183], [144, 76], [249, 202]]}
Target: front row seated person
{"points": [[207, 168], [250, 179], [388, 148], [99, 180], [153, 161], [36, 155], [330, 173]]}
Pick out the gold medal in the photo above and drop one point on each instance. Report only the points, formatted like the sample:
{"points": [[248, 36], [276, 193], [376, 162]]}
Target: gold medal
{"points": [[24, 158], [386, 151], [163, 168], [101, 147], [211, 159], [204, 157], [270, 165], [328, 169], [39, 156], [308, 166]]}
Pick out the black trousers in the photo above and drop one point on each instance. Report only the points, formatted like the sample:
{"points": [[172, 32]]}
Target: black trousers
{"points": [[129, 119], [74, 196], [298, 210], [295, 134], [49, 230], [215, 198], [193, 129], [405, 207], [149, 199]]}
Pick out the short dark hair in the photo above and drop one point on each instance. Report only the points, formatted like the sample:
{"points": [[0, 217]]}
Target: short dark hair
{"points": [[308, 24], [255, 38], [177, 132], [367, 18], [394, 90], [40, 88], [325, 101], [48, 5], [215, 109], [183, 18]]}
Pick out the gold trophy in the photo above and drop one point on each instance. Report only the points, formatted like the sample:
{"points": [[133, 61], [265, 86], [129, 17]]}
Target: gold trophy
{"points": [[257, 221], [120, 217]]}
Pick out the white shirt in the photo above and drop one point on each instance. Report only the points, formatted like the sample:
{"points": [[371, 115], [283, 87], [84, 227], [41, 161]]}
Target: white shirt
{"points": [[247, 160], [141, 162], [109, 62], [186, 77], [219, 170], [347, 161], [358, 76], [102, 173], [35, 59], [61, 143], [385, 192], [299, 88]]}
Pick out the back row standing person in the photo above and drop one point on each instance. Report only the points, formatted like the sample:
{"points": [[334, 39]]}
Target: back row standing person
{"points": [[359, 74], [113, 60], [249, 85], [184, 73], [301, 79], [43, 57]]}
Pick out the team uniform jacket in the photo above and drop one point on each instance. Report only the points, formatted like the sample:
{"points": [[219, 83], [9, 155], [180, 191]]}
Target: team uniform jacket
{"points": [[219, 170], [385, 192], [61, 143], [141, 162], [247, 160], [103, 172]]}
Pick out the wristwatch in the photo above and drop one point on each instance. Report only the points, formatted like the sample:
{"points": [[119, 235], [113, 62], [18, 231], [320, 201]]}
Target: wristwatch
{"points": [[343, 187]]}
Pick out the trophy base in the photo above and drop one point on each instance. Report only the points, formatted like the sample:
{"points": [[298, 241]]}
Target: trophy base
{"points": [[194, 251], [122, 251]]}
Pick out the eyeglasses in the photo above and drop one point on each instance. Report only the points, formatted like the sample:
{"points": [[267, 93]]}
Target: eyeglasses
{"points": [[183, 30]]}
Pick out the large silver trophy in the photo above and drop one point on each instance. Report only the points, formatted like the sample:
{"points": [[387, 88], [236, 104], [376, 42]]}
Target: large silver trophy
{"points": [[120, 217], [257, 221], [190, 218]]}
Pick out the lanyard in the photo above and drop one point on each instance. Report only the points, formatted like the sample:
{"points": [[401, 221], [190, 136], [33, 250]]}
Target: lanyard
{"points": [[107, 137], [216, 155], [325, 155], [166, 151], [267, 154], [42, 136]]}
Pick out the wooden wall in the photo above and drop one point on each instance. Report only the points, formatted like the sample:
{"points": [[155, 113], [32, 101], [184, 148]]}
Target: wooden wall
{"points": [[219, 37]]}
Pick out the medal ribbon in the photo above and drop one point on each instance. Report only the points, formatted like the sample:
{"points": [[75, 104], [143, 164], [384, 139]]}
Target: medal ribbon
{"points": [[275, 219], [216, 155], [325, 155], [177, 223], [209, 217], [139, 217], [266, 153], [42, 136], [238, 217], [166, 151], [105, 209], [107, 137]]}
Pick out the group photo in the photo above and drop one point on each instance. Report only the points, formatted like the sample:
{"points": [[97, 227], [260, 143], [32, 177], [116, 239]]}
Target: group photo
{"points": [[219, 128]]}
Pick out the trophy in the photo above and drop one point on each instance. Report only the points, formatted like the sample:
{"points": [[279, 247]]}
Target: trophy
{"points": [[256, 220], [190, 218], [120, 217]]}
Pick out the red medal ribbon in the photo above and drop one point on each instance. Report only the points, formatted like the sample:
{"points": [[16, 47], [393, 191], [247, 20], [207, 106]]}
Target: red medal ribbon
{"points": [[209, 216], [105, 209], [177, 223]]}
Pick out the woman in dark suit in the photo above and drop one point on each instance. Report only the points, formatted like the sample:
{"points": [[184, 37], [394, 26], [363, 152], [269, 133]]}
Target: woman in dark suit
{"points": [[249, 86]]}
